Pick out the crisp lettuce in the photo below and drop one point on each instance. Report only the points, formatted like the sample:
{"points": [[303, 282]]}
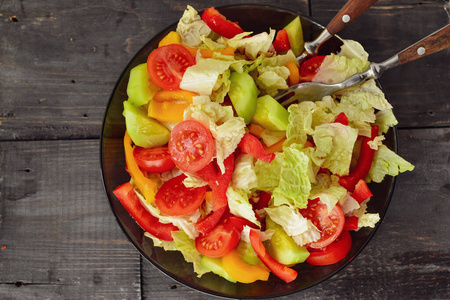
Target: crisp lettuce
{"points": [[353, 49], [387, 162], [300, 121], [253, 45], [244, 176], [335, 142], [294, 185], [191, 28], [240, 206], [294, 224], [328, 190], [385, 119], [268, 174], [186, 246], [336, 68]]}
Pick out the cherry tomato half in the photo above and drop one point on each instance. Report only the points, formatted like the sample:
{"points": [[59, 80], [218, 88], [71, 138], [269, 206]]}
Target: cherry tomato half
{"points": [[219, 24], [309, 68], [175, 199], [167, 64], [330, 224], [220, 241], [332, 253], [154, 160], [191, 146]]}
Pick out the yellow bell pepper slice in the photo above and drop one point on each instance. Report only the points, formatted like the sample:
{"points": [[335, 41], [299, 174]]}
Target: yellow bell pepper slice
{"points": [[241, 271], [169, 106], [145, 185], [294, 75], [208, 53], [171, 38]]}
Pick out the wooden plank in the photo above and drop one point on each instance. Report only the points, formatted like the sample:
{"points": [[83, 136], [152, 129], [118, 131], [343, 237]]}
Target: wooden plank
{"points": [[417, 90], [409, 255], [60, 239]]}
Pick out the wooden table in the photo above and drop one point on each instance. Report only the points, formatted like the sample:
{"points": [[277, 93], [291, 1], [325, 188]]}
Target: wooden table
{"points": [[59, 61]]}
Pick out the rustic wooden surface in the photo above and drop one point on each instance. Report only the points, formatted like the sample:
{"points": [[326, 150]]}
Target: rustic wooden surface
{"points": [[59, 61]]}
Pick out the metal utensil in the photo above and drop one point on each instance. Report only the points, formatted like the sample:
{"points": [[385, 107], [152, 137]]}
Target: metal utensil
{"points": [[349, 12], [313, 91]]}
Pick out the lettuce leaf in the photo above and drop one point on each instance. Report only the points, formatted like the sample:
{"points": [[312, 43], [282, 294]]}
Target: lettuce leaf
{"points": [[328, 190], [253, 45], [187, 247], [336, 68], [300, 121], [335, 143], [385, 119], [240, 206], [294, 185], [294, 224], [191, 28], [387, 162], [244, 176], [269, 174]]}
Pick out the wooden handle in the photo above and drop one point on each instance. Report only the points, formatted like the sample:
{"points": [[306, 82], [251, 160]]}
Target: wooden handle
{"points": [[351, 10], [437, 41]]}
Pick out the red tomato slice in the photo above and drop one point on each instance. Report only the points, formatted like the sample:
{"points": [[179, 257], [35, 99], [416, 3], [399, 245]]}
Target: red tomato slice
{"points": [[219, 24], [251, 145], [332, 253], [191, 146], [175, 199], [167, 64], [331, 225], [217, 181], [130, 201], [205, 225], [280, 270], [281, 42], [220, 241], [154, 160], [308, 69]]}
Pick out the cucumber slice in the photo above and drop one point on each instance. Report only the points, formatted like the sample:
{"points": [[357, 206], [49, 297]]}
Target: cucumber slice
{"points": [[143, 130], [243, 93], [140, 88], [270, 114], [282, 247], [295, 34], [215, 266], [248, 253]]}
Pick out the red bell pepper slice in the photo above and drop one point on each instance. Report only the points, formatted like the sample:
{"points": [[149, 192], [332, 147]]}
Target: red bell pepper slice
{"points": [[217, 181], [361, 192], [205, 225], [285, 273], [130, 201], [281, 42], [219, 23], [341, 118], [363, 165], [351, 223], [251, 145]]}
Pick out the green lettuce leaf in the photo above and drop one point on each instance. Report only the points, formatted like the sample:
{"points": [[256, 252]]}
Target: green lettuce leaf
{"points": [[387, 162], [294, 185], [186, 246], [269, 174], [300, 121], [253, 45], [328, 190], [353, 49], [385, 119], [240, 206], [335, 142], [191, 27], [336, 68], [244, 175]]}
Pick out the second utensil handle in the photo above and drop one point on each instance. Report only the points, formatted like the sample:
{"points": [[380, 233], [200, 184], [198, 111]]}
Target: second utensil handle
{"points": [[349, 12], [437, 41]]}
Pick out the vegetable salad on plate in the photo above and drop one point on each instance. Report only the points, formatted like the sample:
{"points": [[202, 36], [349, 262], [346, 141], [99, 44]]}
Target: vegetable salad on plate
{"points": [[240, 185]]}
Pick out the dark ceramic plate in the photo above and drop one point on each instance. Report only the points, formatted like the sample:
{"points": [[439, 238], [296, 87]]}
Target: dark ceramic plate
{"points": [[256, 19]]}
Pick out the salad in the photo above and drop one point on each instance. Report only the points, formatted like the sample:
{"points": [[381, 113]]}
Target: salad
{"points": [[240, 185]]}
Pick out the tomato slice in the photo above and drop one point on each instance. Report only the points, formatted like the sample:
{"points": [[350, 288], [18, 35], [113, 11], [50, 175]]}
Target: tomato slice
{"points": [[130, 201], [154, 160], [309, 68], [219, 24], [217, 181], [167, 64], [281, 42], [175, 199], [330, 224], [191, 146], [205, 225], [280, 270], [251, 145], [220, 241], [332, 253]]}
